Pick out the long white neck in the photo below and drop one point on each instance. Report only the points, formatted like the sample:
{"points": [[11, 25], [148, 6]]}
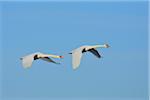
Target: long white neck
{"points": [[99, 46], [50, 55]]}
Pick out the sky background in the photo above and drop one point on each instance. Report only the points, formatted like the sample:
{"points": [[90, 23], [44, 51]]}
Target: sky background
{"points": [[58, 28]]}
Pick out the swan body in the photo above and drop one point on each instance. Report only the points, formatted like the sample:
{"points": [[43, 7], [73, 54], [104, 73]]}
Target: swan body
{"points": [[28, 60], [77, 53]]}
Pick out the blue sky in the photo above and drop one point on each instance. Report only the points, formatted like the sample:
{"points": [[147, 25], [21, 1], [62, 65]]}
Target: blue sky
{"points": [[59, 27]]}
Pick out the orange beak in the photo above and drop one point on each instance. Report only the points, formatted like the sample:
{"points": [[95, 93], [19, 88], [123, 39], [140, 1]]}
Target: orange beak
{"points": [[61, 56]]}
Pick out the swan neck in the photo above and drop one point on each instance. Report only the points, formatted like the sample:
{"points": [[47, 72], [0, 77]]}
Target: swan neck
{"points": [[99, 46], [102, 46], [53, 56]]}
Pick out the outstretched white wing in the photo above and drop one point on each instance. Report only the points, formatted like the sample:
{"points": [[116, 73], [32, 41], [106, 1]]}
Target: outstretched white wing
{"points": [[49, 60], [27, 61], [76, 58]]}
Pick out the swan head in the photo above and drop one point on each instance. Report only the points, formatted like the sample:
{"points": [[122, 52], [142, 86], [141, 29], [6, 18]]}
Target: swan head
{"points": [[61, 57], [54, 56], [106, 46]]}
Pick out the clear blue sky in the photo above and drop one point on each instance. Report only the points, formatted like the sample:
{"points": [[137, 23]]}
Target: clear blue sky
{"points": [[59, 27]]}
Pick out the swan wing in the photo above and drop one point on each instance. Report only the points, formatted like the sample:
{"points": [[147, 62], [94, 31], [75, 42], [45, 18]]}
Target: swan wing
{"points": [[27, 61], [95, 52], [49, 60], [76, 58]]}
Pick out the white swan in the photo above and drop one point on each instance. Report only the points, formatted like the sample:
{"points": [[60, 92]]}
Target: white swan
{"points": [[77, 53], [27, 60]]}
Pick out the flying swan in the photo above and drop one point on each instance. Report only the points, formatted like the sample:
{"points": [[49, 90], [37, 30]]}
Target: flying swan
{"points": [[28, 60], [77, 53]]}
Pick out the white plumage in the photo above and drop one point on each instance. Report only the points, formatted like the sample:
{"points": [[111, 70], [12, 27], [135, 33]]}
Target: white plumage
{"points": [[28, 60], [77, 53]]}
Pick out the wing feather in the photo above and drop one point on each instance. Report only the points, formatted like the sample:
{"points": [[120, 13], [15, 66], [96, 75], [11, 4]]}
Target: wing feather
{"points": [[76, 58], [95, 52], [27, 61], [49, 60]]}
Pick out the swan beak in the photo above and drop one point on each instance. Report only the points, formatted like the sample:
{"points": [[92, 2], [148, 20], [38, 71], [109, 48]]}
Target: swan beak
{"points": [[107, 46], [61, 56]]}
